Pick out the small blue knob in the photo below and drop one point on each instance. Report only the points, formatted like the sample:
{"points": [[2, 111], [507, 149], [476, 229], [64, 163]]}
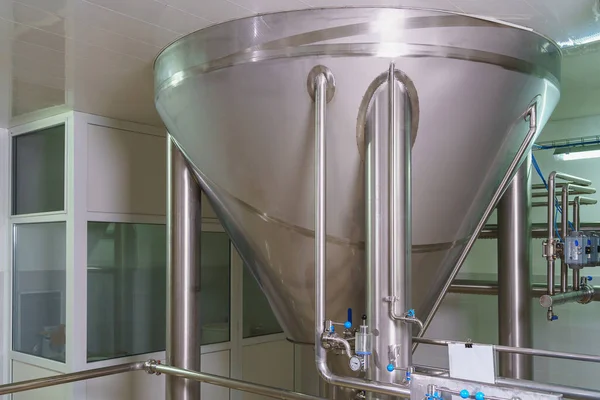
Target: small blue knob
{"points": [[408, 378], [479, 396], [576, 242], [331, 328], [554, 317], [390, 367], [347, 324], [436, 395], [465, 394], [411, 313], [589, 278]]}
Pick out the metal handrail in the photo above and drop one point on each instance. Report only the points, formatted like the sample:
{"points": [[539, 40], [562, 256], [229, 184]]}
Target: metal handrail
{"points": [[153, 367], [69, 378], [519, 350]]}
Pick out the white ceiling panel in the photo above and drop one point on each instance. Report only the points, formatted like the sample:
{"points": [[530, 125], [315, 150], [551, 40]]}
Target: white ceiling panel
{"points": [[98, 54], [212, 10]]}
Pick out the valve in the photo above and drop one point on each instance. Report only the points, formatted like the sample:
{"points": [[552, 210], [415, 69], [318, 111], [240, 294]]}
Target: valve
{"points": [[479, 396], [464, 394]]}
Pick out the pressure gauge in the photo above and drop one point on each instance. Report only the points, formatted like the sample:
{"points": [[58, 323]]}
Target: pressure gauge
{"points": [[355, 363]]}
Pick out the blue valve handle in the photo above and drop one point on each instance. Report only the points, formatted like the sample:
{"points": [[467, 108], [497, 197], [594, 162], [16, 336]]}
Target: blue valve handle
{"points": [[390, 367], [349, 319], [589, 278], [410, 313], [479, 396], [465, 394]]}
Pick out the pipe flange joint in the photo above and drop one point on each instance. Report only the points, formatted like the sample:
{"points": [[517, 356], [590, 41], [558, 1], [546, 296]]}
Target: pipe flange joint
{"points": [[589, 294], [311, 80], [150, 367]]}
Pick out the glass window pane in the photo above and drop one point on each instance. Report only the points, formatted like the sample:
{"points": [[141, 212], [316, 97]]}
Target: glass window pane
{"points": [[214, 287], [259, 319], [39, 171], [126, 282], [39, 290]]}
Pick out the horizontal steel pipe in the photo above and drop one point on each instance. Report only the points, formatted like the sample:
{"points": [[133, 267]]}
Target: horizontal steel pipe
{"points": [[490, 288], [538, 231], [570, 392], [520, 350], [573, 190], [69, 378], [584, 295], [230, 383]]}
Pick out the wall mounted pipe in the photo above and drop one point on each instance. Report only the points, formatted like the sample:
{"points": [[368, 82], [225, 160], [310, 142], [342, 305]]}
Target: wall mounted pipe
{"points": [[530, 113], [538, 230], [490, 288], [520, 350], [319, 84], [564, 231]]}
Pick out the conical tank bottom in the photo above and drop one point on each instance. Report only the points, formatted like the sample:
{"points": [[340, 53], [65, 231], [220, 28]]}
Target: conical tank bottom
{"points": [[234, 96]]}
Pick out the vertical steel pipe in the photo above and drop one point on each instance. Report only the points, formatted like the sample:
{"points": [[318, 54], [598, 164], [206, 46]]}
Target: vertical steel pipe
{"points": [[319, 84], [399, 200], [550, 262], [576, 224], [564, 231], [514, 273], [183, 277]]}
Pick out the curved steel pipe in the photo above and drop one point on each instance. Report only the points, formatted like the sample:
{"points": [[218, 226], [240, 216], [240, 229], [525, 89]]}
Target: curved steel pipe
{"points": [[320, 85]]}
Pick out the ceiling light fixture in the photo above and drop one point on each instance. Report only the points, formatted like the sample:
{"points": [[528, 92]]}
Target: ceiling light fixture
{"points": [[577, 153]]}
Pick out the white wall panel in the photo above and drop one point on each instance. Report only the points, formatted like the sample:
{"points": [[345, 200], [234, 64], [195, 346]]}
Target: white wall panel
{"points": [[141, 386], [22, 372], [270, 364], [126, 171]]}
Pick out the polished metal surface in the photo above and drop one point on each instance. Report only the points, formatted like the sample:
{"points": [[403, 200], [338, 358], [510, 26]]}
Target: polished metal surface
{"points": [[490, 288], [570, 392], [387, 168], [538, 230], [234, 96], [183, 276], [520, 350], [564, 232], [576, 226], [61, 379], [584, 295], [521, 152], [514, 274], [320, 83]]}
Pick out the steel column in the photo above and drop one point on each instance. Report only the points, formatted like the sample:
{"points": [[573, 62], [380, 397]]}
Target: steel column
{"points": [[514, 273], [183, 277]]}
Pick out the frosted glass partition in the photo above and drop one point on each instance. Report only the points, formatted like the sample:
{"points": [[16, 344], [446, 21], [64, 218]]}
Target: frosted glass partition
{"points": [[214, 287], [259, 319], [39, 289], [126, 281], [38, 173]]}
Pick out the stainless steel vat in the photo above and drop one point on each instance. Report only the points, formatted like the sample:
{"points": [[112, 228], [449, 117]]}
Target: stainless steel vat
{"points": [[235, 98]]}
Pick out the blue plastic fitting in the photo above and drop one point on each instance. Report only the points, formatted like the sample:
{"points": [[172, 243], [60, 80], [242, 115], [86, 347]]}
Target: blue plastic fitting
{"points": [[390, 367], [479, 396], [408, 378], [332, 328], [554, 317], [411, 313], [465, 394], [347, 324], [576, 242], [589, 278]]}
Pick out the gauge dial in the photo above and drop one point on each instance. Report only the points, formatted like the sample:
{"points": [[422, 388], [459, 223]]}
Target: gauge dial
{"points": [[355, 364]]}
